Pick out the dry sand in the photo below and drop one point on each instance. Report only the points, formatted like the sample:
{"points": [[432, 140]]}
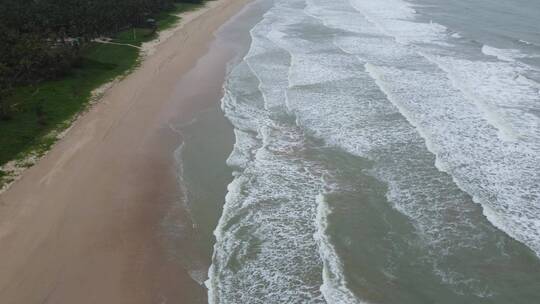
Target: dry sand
{"points": [[83, 225]]}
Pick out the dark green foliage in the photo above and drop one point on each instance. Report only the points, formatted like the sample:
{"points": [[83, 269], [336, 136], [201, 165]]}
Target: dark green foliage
{"points": [[40, 39], [41, 108], [49, 64]]}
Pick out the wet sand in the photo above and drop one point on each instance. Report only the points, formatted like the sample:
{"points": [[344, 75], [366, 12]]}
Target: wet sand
{"points": [[207, 141], [85, 225]]}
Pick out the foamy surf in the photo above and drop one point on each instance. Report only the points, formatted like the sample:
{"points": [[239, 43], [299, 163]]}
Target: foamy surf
{"points": [[335, 286], [427, 131], [504, 100], [503, 54]]}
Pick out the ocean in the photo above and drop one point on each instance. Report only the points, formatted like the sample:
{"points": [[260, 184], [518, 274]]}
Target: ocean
{"points": [[384, 152]]}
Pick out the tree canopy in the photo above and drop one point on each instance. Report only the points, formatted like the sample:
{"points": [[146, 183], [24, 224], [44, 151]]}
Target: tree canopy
{"points": [[40, 39]]}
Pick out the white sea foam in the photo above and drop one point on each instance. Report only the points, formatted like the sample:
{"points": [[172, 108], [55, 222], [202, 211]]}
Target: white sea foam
{"points": [[395, 18], [334, 286], [503, 54], [374, 83], [528, 43], [351, 113], [265, 250], [497, 88], [501, 176], [460, 130], [498, 175]]}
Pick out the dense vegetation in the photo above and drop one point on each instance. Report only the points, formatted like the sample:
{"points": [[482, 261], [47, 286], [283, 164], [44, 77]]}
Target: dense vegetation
{"points": [[49, 63], [41, 39]]}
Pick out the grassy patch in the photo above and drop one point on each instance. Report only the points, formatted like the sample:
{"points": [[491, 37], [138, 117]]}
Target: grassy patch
{"points": [[49, 106], [135, 36], [166, 19]]}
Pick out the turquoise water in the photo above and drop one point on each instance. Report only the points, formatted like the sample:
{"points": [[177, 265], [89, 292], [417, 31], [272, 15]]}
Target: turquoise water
{"points": [[385, 152]]}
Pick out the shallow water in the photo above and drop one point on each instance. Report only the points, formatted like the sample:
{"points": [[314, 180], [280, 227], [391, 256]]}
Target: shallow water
{"points": [[207, 138], [385, 152]]}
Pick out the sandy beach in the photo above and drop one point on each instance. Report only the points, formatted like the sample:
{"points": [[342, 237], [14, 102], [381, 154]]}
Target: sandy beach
{"points": [[84, 225]]}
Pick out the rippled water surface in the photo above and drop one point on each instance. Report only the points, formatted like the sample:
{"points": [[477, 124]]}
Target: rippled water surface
{"points": [[386, 152]]}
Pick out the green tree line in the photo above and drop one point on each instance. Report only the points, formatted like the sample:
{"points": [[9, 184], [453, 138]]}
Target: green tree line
{"points": [[41, 39]]}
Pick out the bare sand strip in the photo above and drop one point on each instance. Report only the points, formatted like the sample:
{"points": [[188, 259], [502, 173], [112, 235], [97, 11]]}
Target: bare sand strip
{"points": [[83, 225]]}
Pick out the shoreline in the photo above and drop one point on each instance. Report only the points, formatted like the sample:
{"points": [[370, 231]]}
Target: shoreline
{"points": [[15, 168], [208, 137], [84, 224]]}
